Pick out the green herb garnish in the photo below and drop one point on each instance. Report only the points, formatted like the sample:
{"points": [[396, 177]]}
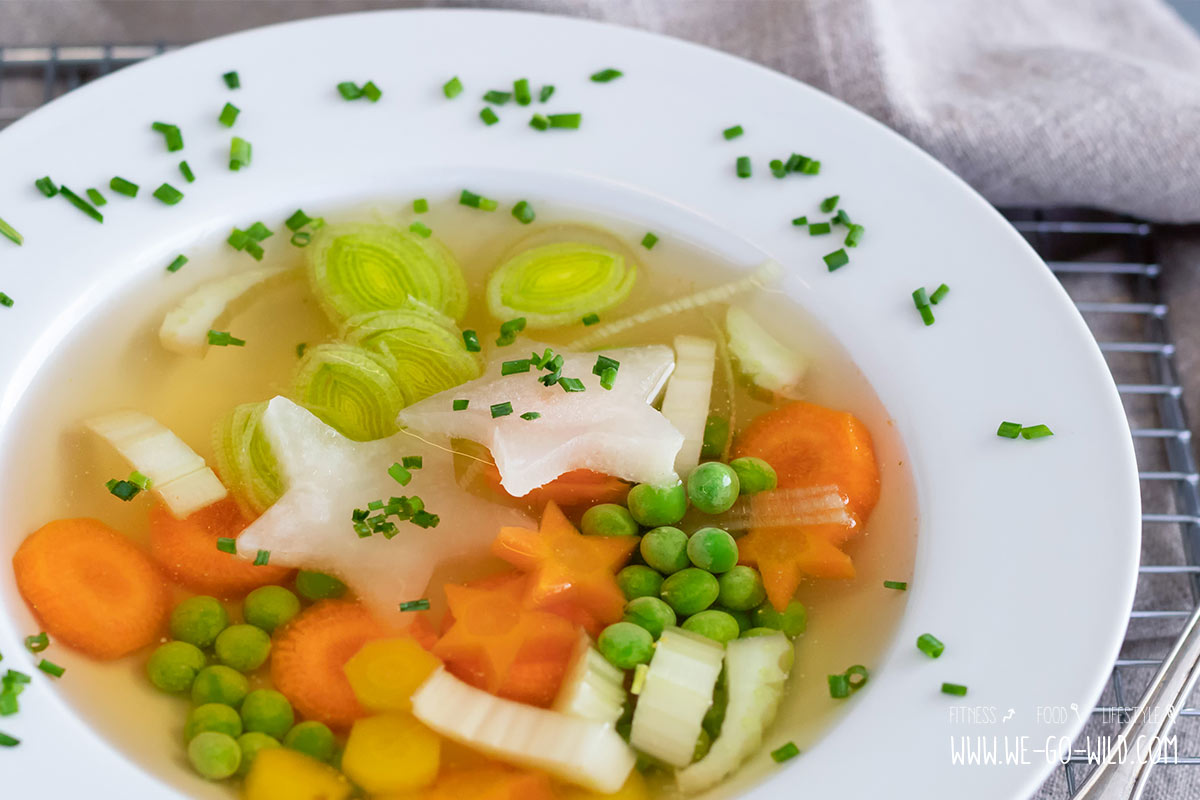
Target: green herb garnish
{"points": [[829, 204], [785, 753], [488, 116], [185, 169], [939, 293], [571, 121], [742, 167], [591, 319], [168, 194], [1036, 432], [732, 132], [471, 341], [460, 405], [420, 205], [930, 645], [452, 88], [900, 586], [649, 240], [501, 409], [224, 339], [46, 186], [11, 233], [171, 134], [546, 93], [122, 186], [232, 80], [227, 544], [50, 668], [420, 229], [523, 212], [262, 558], [36, 644], [229, 115], [469, 198], [836, 260], [530, 415], [240, 152], [81, 204], [415, 605], [1009, 430], [399, 474], [540, 122], [606, 75], [956, 689]]}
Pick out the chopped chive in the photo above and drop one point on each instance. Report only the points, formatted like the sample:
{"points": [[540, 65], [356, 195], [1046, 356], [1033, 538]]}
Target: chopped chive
{"points": [[514, 367], [796, 162], [530, 415], [540, 122], [818, 228], [96, 198], [732, 132], [425, 520], [229, 115], [300, 348], [460, 405], [649, 240], [46, 186], [185, 169], [420, 205], [452, 88], [920, 297], [488, 116], [546, 93], [1009, 430], [829, 204], [521, 91], [926, 313], [469, 198], [857, 676], [603, 363], [399, 474], [956, 689], [258, 231], [420, 229], [496, 97], [1036, 432], [122, 186], [6, 301], [371, 91], [36, 644], [743, 167], [591, 319], [509, 331], [81, 204], [232, 80], [523, 212], [50, 668], [8, 741], [565, 120], [501, 409], [172, 135], [471, 340], [798, 221], [785, 753], [930, 645], [168, 194], [11, 233], [412, 462], [839, 686], [836, 260], [224, 339], [262, 558], [122, 490], [777, 168], [571, 385], [349, 90], [939, 294], [607, 378], [813, 167], [900, 586], [240, 152], [606, 75], [854, 236], [842, 218], [297, 220], [415, 605], [143, 482]]}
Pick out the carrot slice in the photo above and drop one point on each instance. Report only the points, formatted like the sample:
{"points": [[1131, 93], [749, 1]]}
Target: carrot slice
{"points": [[785, 555], [489, 782], [575, 488], [91, 588], [309, 654], [187, 550], [811, 445]]}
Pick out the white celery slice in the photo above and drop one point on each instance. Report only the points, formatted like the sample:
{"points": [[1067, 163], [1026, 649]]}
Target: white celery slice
{"points": [[177, 473], [689, 392], [580, 751], [593, 688], [810, 505], [760, 356], [185, 328], [676, 695], [755, 672]]}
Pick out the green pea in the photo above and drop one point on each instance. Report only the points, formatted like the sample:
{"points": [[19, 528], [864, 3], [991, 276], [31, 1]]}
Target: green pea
{"points": [[716, 436], [243, 647], [626, 645], [716, 625], [267, 711], [173, 666], [214, 755], [268, 607], [608, 519], [750, 633], [251, 744], [318, 585], [792, 621], [198, 620], [665, 549], [690, 591], [657, 505], [220, 684], [712, 487], [712, 549], [741, 588], [311, 738], [212, 717], [741, 617], [638, 580], [754, 474], [650, 613]]}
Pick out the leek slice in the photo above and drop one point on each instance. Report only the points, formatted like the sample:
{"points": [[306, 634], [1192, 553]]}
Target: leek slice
{"points": [[245, 460], [421, 348], [756, 670], [762, 358], [592, 688], [585, 752], [176, 472], [676, 695], [364, 267], [557, 284], [763, 275], [349, 389], [185, 328], [689, 393]]}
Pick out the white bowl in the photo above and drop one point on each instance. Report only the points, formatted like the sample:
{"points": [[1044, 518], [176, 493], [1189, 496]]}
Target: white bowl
{"points": [[1013, 534]]}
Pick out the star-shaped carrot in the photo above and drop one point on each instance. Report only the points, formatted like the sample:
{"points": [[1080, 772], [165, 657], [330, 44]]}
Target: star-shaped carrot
{"points": [[567, 566], [785, 555], [493, 628]]}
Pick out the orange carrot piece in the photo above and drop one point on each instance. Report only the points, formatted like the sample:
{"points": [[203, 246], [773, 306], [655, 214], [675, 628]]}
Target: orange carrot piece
{"points": [[187, 550], [575, 488], [489, 782], [811, 445], [309, 654], [785, 555], [91, 588]]}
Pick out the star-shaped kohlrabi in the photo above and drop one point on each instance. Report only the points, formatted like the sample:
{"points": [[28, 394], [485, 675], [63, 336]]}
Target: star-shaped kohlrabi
{"points": [[327, 477], [537, 432]]}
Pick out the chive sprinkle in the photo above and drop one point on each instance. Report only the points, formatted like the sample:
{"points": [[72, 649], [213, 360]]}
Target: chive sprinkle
{"points": [[177, 264], [857, 676], [415, 605], [1009, 430], [185, 169], [229, 115], [171, 134], [96, 198], [515, 367], [920, 297], [122, 186], [349, 90], [818, 228], [1036, 432], [521, 91], [854, 236], [240, 152], [540, 122], [777, 167], [591, 319], [46, 186], [297, 220], [420, 205], [571, 385], [939, 293], [412, 462], [262, 558], [471, 341], [732, 132], [496, 97], [6, 301], [799, 221], [606, 75], [36, 644], [420, 229], [829, 204], [785, 753], [956, 689], [122, 490], [571, 121], [523, 212], [371, 91], [649, 240], [469, 198], [930, 645], [813, 167], [300, 348], [836, 260], [607, 378], [501, 409], [258, 231], [460, 405], [81, 204], [8, 741], [224, 339], [546, 93], [227, 544], [900, 586], [488, 116], [232, 80], [452, 88], [11, 233], [842, 218], [399, 474], [509, 331], [530, 416], [50, 668], [839, 686], [168, 194], [743, 167]]}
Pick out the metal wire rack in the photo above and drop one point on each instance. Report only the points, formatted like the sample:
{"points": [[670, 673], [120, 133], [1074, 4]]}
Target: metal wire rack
{"points": [[1108, 265]]}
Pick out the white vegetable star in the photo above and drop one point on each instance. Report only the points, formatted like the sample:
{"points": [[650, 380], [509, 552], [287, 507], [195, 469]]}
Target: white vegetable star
{"points": [[329, 476], [613, 431]]}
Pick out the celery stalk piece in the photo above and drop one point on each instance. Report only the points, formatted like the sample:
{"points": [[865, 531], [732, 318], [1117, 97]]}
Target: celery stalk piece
{"points": [[185, 327], [762, 358], [584, 752], [592, 688], [557, 284], [689, 393], [349, 389]]}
